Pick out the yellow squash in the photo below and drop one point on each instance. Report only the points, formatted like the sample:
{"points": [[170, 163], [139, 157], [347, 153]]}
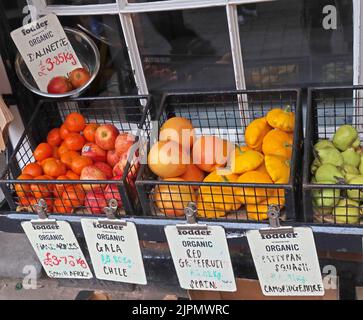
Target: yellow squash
{"points": [[250, 194], [282, 119], [255, 132], [219, 197], [278, 143], [278, 168], [243, 161]]}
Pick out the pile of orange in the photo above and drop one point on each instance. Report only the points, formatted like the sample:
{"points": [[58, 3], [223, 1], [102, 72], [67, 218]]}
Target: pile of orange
{"points": [[58, 158]]}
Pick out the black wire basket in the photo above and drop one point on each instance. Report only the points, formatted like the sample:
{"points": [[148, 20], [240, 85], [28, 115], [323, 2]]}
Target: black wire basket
{"points": [[129, 114], [329, 108], [224, 114]]}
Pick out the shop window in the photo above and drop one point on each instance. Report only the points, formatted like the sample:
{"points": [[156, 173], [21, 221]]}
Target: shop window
{"points": [[78, 2], [185, 50], [284, 44], [115, 76]]}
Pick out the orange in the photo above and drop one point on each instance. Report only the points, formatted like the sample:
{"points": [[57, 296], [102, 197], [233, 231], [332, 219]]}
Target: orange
{"points": [[89, 131], [75, 122], [62, 149], [23, 190], [54, 168], [33, 169], [74, 141], [55, 152], [79, 163], [63, 131], [28, 201], [72, 176], [59, 188], [42, 190], [193, 173], [68, 156], [73, 196], [54, 138], [43, 151], [59, 207]]}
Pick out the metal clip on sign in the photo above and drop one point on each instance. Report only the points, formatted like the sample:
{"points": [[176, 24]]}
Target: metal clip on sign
{"points": [[110, 212], [275, 228], [191, 215], [42, 210]]}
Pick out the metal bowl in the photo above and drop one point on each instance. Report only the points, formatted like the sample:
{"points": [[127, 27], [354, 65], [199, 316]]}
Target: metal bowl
{"points": [[88, 54]]}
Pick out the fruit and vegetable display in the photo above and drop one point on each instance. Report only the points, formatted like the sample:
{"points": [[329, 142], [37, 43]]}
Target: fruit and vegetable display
{"points": [[82, 152], [338, 161], [77, 78], [210, 170]]}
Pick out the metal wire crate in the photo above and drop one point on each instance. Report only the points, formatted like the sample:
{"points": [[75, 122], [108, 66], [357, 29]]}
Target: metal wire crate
{"points": [[129, 114], [225, 114], [328, 109]]}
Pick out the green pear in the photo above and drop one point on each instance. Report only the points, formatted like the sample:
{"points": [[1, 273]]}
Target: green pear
{"points": [[325, 198], [328, 172], [323, 144], [356, 194], [347, 211], [330, 155], [315, 165], [344, 137], [351, 157]]}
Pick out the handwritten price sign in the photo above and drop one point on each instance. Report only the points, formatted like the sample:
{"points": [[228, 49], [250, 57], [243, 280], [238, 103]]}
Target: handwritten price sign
{"points": [[114, 250], [57, 249], [45, 49]]}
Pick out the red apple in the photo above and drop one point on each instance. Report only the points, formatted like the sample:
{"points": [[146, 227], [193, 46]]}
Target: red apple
{"points": [[59, 85], [79, 77], [105, 136], [123, 143], [95, 202], [105, 168], [112, 192], [94, 152], [119, 168], [92, 173], [112, 158]]}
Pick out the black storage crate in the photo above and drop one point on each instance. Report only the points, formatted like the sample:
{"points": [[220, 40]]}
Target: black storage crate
{"points": [[328, 109], [225, 114], [129, 114]]}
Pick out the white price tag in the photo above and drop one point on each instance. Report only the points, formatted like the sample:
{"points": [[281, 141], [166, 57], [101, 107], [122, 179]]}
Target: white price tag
{"points": [[45, 49], [201, 258], [114, 250], [57, 249], [287, 263]]}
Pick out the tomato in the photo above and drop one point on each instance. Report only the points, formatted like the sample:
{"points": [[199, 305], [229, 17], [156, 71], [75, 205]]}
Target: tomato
{"points": [[54, 138], [79, 77], [54, 168], [74, 141], [42, 190], [59, 85], [89, 131], [43, 151], [33, 169], [68, 156], [63, 131], [55, 153], [62, 149], [75, 122], [59, 207], [73, 196], [79, 163]]}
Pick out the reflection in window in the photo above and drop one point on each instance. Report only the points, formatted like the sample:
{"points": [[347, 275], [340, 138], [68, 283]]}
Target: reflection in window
{"points": [[115, 76], [185, 50], [284, 43]]}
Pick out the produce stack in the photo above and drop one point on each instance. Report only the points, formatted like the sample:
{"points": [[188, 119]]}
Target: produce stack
{"points": [[212, 163], [338, 162], [82, 152]]}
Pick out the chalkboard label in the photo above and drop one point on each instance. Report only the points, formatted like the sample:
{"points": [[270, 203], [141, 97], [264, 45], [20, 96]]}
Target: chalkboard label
{"points": [[287, 263], [57, 249], [201, 258], [115, 251], [45, 49]]}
